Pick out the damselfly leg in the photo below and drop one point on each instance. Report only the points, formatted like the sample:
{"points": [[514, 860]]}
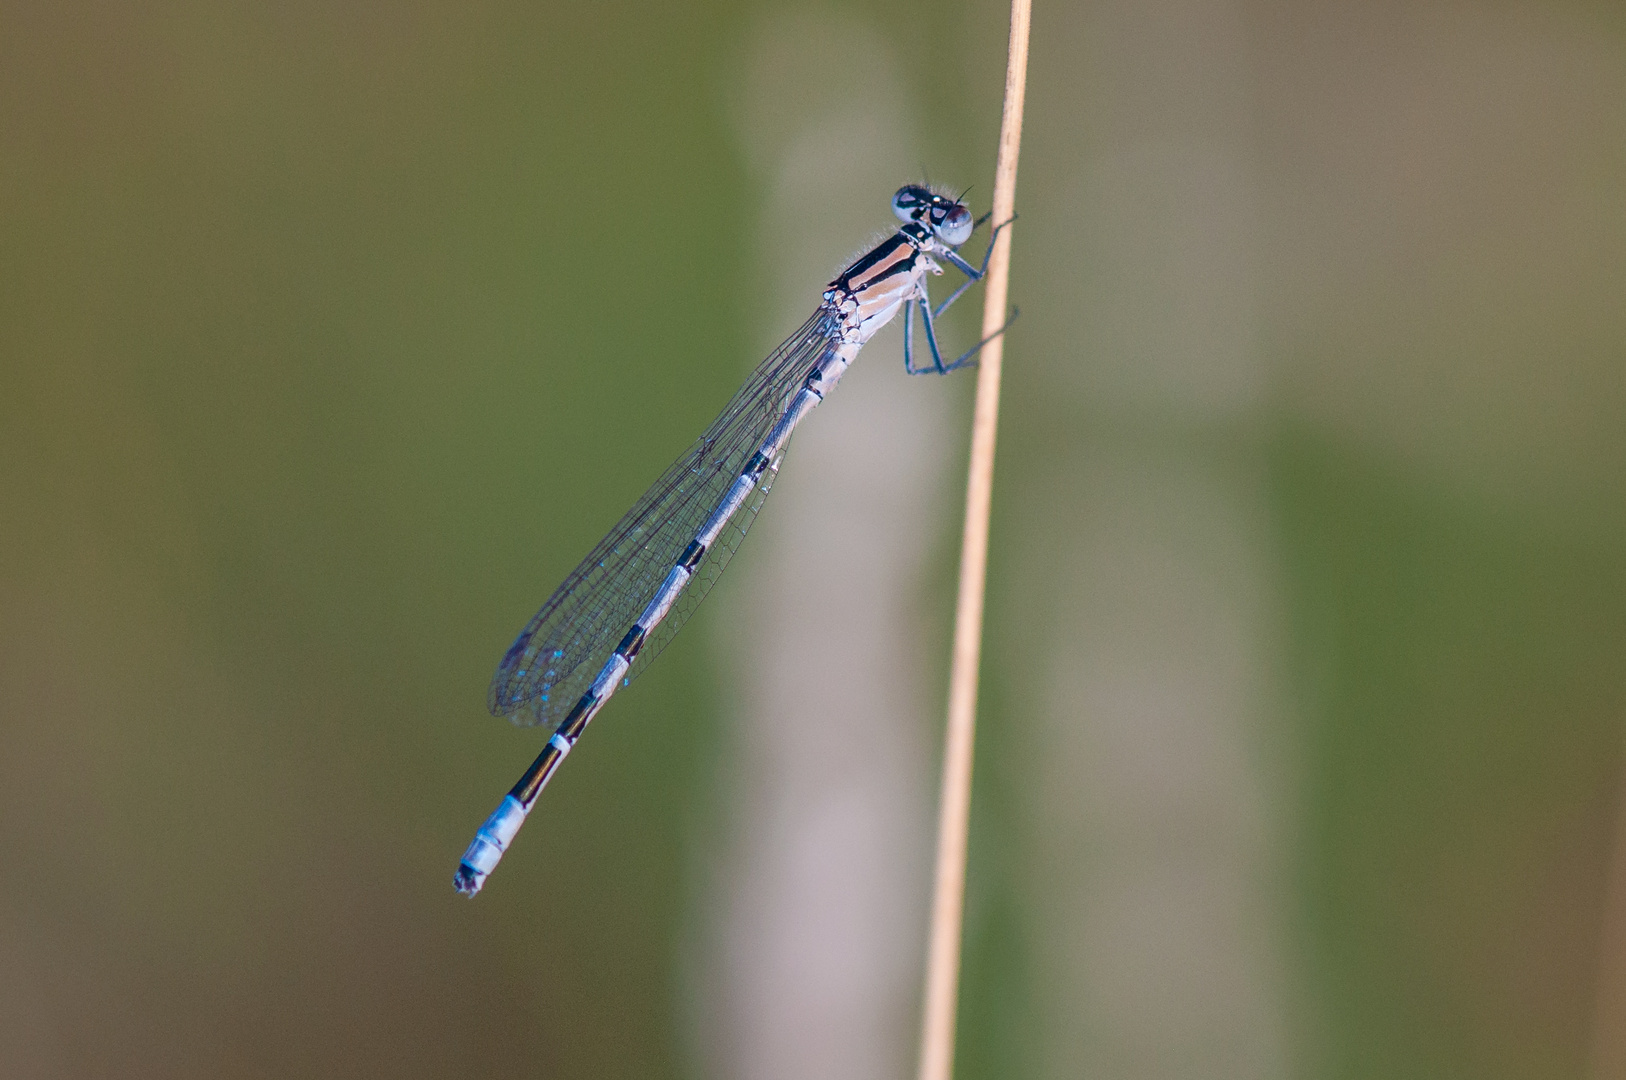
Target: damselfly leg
{"points": [[929, 314], [938, 367]]}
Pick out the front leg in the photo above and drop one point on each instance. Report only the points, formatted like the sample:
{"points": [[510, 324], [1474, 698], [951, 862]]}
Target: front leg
{"points": [[972, 274]]}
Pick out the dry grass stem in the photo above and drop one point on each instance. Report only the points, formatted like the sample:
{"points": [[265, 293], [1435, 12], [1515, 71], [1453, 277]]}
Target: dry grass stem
{"points": [[948, 901]]}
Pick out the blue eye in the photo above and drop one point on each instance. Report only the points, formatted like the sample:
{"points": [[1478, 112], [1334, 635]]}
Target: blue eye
{"points": [[956, 227]]}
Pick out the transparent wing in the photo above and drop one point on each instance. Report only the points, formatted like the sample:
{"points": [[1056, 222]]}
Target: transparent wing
{"points": [[559, 653]]}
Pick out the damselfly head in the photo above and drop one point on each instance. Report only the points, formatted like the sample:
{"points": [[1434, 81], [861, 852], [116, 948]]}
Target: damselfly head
{"points": [[947, 218]]}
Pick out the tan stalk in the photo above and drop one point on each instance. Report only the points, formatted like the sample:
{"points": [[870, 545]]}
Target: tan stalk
{"points": [[948, 901]]}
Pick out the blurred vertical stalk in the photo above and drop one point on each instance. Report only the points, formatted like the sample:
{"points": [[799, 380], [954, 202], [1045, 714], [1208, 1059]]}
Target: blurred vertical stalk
{"points": [[948, 901], [1608, 1050], [813, 925]]}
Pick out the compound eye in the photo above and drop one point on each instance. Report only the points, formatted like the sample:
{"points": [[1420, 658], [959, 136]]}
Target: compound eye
{"points": [[906, 204], [956, 227]]}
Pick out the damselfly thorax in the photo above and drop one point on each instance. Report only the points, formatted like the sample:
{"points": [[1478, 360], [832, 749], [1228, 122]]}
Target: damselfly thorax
{"points": [[869, 293]]}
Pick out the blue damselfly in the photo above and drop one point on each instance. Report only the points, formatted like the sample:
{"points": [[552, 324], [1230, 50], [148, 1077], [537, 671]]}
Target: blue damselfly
{"points": [[619, 608]]}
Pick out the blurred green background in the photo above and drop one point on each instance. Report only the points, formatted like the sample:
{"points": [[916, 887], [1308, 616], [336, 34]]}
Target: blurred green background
{"points": [[332, 335]]}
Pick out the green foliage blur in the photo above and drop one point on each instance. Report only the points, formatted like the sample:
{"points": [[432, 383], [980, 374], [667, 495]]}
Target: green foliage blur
{"points": [[333, 335]]}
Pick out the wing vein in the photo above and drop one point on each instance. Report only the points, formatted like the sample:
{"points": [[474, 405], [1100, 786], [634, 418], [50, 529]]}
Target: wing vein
{"points": [[565, 644]]}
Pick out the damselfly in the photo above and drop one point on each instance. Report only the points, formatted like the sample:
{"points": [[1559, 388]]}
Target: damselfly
{"points": [[619, 608]]}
